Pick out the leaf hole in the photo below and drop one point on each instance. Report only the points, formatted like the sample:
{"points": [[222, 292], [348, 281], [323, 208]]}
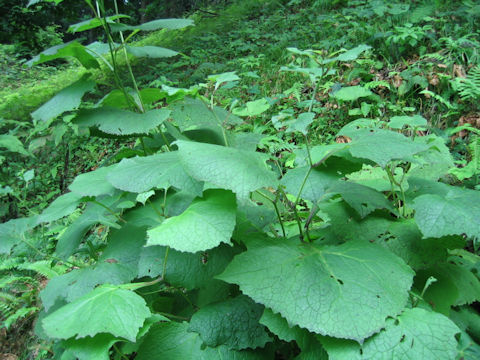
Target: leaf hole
{"points": [[396, 322], [378, 296], [340, 281], [402, 339]]}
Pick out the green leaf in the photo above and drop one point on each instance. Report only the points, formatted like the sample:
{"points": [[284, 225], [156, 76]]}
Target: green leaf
{"points": [[404, 239], [62, 206], [12, 233], [70, 49], [140, 174], [107, 309], [351, 54], [13, 144], [154, 52], [331, 290], [206, 223], [93, 183], [398, 122], [362, 198], [315, 185], [228, 168], [280, 327], [459, 280], [233, 322], [415, 334], [172, 341], [171, 24], [377, 178], [219, 79], [78, 282], [433, 163], [73, 235], [94, 23], [186, 270], [301, 123], [192, 114], [382, 146], [88, 348], [353, 226], [67, 99], [352, 93], [253, 108], [121, 122], [455, 213]]}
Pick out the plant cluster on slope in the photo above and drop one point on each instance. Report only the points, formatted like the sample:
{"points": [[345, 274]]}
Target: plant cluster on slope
{"points": [[329, 213]]}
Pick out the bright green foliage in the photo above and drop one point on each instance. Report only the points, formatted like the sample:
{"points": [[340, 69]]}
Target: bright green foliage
{"points": [[456, 212], [206, 235], [233, 323], [363, 199], [416, 333], [12, 232], [253, 108], [161, 171], [280, 327], [351, 93], [183, 269], [237, 170], [154, 52], [92, 183], [67, 99], [382, 146], [315, 185], [70, 49], [98, 312], [173, 341], [87, 348], [62, 206], [285, 276], [79, 282], [206, 223], [398, 122], [171, 24], [93, 23], [121, 122], [11, 143]]}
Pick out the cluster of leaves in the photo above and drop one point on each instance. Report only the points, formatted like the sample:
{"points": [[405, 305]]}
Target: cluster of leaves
{"points": [[194, 244]]}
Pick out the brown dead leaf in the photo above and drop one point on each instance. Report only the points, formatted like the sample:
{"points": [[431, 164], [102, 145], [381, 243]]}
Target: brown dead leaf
{"points": [[459, 71], [8, 357], [472, 119], [342, 139], [397, 81], [433, 79]]}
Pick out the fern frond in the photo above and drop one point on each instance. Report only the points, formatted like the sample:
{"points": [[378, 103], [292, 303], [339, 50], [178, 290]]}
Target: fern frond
{"points": [[469, 88], [44, 268], [10, 263], [7, 280], [17, 315]]}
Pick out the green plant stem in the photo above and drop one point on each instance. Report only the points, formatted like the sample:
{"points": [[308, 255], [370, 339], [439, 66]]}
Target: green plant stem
{"points": [[119, 352], [164, 270], [108, 209], [274, 202], [391, 177]]}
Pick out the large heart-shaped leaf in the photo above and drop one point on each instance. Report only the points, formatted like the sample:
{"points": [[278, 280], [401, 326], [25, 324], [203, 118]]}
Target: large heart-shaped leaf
{"points": [[107, 309], [455, 213], [233, 322], [67, 99], [162, 170], [172, 341], [121, 122], [70, 49], [415, 334], [340, 291], [205, 224], [228, 168]]}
